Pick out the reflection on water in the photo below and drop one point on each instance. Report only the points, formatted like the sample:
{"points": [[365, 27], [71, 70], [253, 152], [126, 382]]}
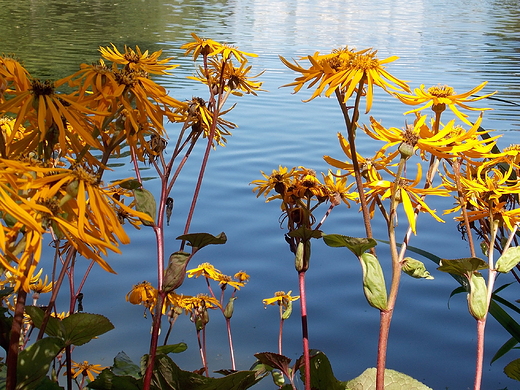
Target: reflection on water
{"points": [[460, 43]]}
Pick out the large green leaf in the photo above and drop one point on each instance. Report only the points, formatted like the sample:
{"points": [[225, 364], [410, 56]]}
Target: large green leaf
{"points": [[462, 266], [512, 370], [322, 376], [35, 360], [123, 365], [176, 271], [394, 380], [509, 259], [168, 376], [200, 240], [374, 285], [54, 326], [477, 297], [80, 328], [172, 348], [107, 380], [145, 202], [358, 246]]}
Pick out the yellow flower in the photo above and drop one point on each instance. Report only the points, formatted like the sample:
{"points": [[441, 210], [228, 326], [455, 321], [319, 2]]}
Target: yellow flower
{"points": [[205, 269], [86, 369], [438, 97], [200, 118], [136, 60], [278, 180], [143, 294], [346, 70], [209, 47], [337, 188], [234, 79], [280, 298], [408, 194], [449, 142], [369, 167], [242, 277], [41, 287], [202, 301], [225, 280]]}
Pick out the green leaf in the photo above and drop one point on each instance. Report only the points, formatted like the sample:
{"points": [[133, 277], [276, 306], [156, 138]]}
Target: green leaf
{"points": [[512, 370], [168, 376], [477, 297], [200, 240], [131, 184], [504, 319], [505, 348], [322, 376], [358, 246], [124, 366], [394, 380], [35, 360], [145, 202], [305, 233], [415, 268], [509, 259], [54, 326], [107, 380], [172, 348], [48, 384], [276, 361], [462, 267], [80, 328], [176, 271], [374, 285]]}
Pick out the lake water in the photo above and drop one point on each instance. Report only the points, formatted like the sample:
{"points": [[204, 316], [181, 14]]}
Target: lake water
{"points": [[460, 43]]}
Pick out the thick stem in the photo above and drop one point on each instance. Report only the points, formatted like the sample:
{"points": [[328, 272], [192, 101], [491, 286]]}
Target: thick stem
{"points": [[351, 129], [14, 341], [305, 330], [481, 325]]}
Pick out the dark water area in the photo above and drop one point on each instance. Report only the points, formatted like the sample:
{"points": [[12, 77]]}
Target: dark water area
{"points": [[459, 43]]}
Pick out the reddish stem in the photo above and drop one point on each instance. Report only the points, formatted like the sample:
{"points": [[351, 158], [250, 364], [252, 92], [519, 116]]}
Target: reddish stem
{"points": [[305, 330], [481, 325]]}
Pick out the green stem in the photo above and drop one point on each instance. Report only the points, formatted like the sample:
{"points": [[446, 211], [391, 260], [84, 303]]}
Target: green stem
{"points": [[386, 315]]}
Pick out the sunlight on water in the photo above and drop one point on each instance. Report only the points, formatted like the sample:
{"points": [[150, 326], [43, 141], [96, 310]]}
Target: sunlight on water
{"points": [[460, 43]]}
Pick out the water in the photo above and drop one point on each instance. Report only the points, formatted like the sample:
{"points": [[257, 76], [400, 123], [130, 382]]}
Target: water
{"points": [[460, 43]]}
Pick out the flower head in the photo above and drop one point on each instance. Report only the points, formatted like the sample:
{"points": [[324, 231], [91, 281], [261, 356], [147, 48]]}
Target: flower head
{"points": [[438, 97], [346, 71], [86, 369], [280, 298], [136, 60], [143, 294], [205, 269], [209, 48]]}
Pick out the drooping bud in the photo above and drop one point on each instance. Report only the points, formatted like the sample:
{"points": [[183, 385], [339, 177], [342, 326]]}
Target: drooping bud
{"points": [[415, 269], [228, 311]]}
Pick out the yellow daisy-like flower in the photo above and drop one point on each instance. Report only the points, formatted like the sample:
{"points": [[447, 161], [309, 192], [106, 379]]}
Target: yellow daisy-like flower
{"points": [[41, 287], [280, 298], [202, 301], [408, 194], [447, 143], [143, 294], [438, 97], [225, 280], [337, 188], [137, 60], [278, 180], [86, 369], [234, 79], [205, 269], [242, 277], [209, 47], [346, 70]]}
